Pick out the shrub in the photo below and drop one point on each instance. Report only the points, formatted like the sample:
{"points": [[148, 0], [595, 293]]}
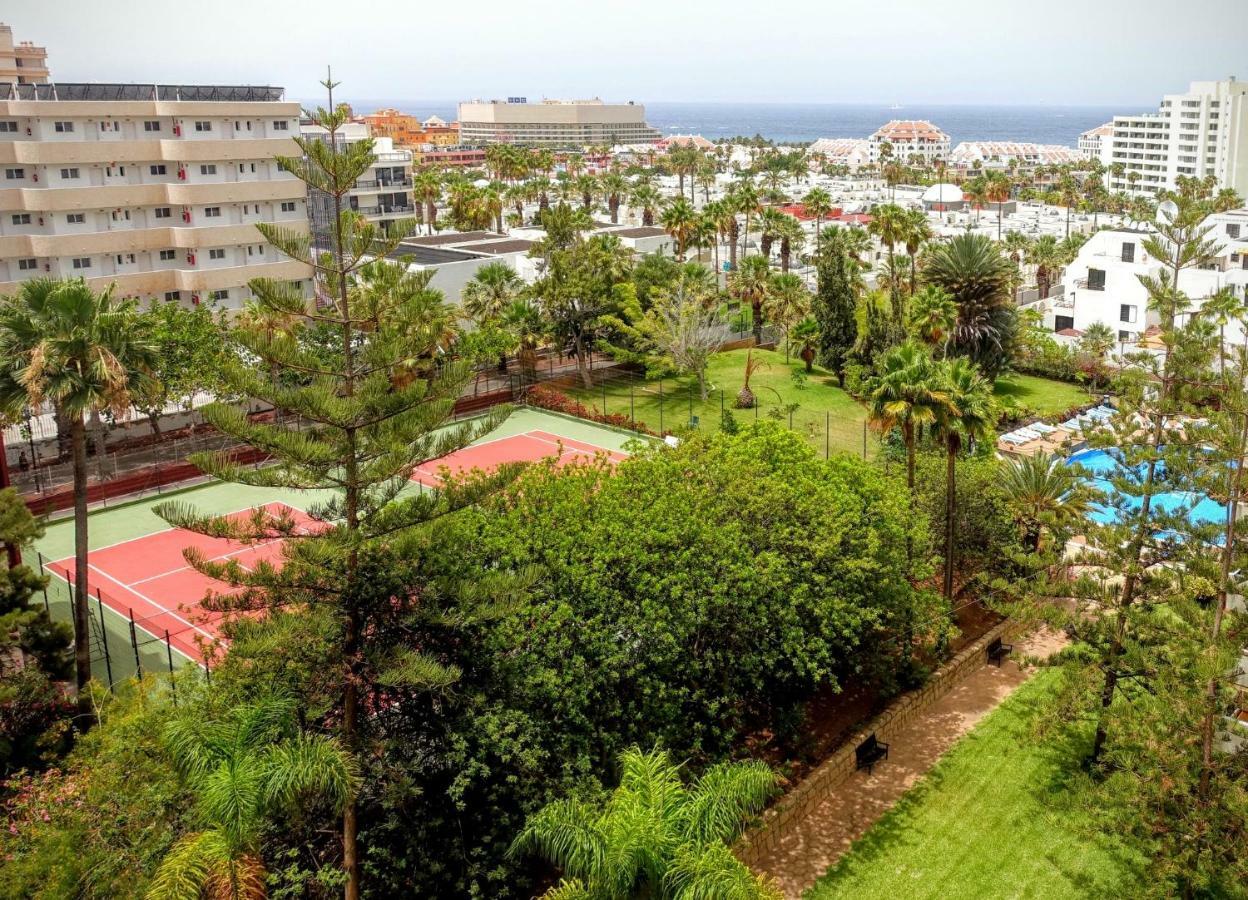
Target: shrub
{"points": [[544, 397]]}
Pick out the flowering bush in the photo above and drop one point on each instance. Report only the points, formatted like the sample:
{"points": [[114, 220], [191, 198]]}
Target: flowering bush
{"points": [[544, 397]]}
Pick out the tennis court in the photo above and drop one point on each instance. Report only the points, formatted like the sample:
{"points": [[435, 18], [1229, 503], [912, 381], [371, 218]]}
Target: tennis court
{"points": [[137, 570], [530, 446]]}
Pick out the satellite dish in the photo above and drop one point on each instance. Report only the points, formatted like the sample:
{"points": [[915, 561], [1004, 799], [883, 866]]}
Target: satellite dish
{"points": [[1167, 210]]}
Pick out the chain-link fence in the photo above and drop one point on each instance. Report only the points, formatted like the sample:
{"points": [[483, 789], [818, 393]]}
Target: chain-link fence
{"points": [[831, 422]]}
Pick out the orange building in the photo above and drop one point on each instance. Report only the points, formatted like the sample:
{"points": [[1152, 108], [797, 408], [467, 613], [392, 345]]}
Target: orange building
{"points": [[408, 131]]}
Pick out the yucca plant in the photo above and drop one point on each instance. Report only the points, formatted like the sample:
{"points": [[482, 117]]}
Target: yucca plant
{"points": [[655, 836]]}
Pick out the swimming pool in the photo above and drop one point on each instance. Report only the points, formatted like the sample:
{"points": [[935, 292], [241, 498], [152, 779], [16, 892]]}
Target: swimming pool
{"points": [[1101, 466]]}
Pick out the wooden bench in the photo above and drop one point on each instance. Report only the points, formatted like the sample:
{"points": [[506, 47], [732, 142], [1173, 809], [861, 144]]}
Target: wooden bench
{"points": [[997, 652], [869, 752]]}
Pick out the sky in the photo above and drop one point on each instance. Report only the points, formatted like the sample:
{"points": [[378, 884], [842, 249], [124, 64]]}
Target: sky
{"points": [[1065, 52]]}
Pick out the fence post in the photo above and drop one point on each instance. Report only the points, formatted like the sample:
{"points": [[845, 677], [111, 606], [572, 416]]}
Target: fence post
{"points": [[864, 439], [632, 419], [790, 418], [604, 397], [40, 555], [660, 407], [827, 434], [108, 661], [169, 655], [134, 642]]}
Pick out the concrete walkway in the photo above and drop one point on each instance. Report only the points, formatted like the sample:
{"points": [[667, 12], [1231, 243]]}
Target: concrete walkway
{"points": [[835, 824]]}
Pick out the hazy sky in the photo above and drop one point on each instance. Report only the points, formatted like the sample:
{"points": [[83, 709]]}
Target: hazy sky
{"points": [[872, 51]]}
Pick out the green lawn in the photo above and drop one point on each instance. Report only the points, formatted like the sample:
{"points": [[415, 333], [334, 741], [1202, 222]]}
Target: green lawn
{"points": [[828, 417], [990, 820], [1046, 397]]}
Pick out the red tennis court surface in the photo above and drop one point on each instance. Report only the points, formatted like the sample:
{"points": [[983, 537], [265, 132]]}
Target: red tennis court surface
{"points": [[528, 447], [149, 578]]}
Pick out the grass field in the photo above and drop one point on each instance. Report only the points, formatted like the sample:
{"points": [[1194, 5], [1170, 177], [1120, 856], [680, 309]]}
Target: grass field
{"points": [[988, 821], [825, 414], [1046, 397], [828, 417]]}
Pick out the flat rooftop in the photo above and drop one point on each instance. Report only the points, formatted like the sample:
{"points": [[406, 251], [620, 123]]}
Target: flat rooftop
{"points": [[224, 93], [456, 237], [429, 256], [515, 245], [639, 232]]}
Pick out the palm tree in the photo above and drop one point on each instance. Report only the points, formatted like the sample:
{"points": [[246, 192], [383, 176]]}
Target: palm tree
{"points": [[787, 303], [655, 836], [968, 416], [245, 771], [83, 353], [1045, 494], [1046, 255], [527, 326], [713, 216], [613, 187], [745, 200], [889, 224], [906, 394], [1221, 308], [1068, 193], [933, 315], [817, 203], [427, 191], [916, 232], [679, 219], [807, 335], [977, 190], [588, 187], [646, 197], [492, 288], [725, 215], [751, 284], [972, 270], [770, 224], [997, 189]]}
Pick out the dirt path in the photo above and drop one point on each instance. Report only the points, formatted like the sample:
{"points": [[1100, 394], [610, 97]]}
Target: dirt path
{"points": [[833, 826]]}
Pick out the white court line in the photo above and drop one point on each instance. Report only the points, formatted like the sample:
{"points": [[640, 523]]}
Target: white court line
{"points": [[219, 558], [154, 604]]}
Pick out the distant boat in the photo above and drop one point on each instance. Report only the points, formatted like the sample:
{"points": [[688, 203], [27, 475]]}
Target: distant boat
{"points": [[895, 106]]}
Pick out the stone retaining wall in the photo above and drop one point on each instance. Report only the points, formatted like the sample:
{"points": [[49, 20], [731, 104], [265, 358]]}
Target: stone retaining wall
{"points": [[778, 821]]}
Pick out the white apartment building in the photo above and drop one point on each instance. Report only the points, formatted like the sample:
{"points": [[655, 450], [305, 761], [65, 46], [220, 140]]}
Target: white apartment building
{"points": [[852, 152], [1201, 133], [22, 62], [383, 194], [154, 188], [1103, 284], [999, 154], [1095, 142], [554, 123], [909, 138]]}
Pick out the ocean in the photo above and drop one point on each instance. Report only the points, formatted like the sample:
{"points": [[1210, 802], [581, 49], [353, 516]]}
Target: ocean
{"points": [[793, 122]]}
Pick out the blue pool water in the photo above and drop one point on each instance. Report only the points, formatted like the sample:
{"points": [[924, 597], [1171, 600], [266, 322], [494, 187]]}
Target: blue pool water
{"points": [[1201, 509]]}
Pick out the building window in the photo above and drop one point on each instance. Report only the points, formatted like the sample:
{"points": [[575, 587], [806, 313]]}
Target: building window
{"points": [[203, 126], [1128, 251], [158, 169], [173, 295], [209, 169], [288, 206], [82, 262], [21, 219], [151, 125], [219, 295], [167, 255], [1126, 312], [69, 173], [281, 125], [27, 265], [1124, 335], [125, 259], [76, 218], [1232, 231], [10, 127], [163, 212], [1096, 279], [63, 127], [216, 253], [212, 212], [14, 174]]}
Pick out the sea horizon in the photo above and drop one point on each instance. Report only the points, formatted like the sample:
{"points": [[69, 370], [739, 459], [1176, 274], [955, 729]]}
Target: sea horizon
{"points": [[804, 122]]}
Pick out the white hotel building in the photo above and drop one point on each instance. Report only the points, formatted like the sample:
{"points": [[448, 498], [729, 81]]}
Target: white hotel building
{"points": [[1103, 284], [156, 188], [1201, 133], [554, 123]]}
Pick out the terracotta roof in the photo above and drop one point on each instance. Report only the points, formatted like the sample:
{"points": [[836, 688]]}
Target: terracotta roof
{"points": [[906, 130], [1071, 332]]}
